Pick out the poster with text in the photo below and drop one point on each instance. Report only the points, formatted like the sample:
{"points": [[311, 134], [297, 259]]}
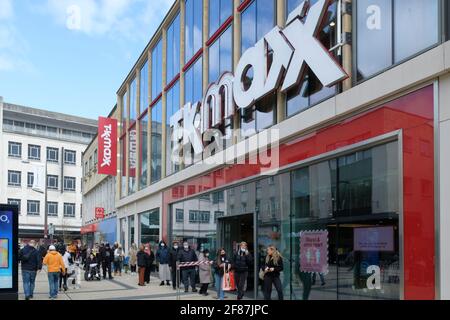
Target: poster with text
{"points": [[379, 239], [314, 251], [6, 250]]}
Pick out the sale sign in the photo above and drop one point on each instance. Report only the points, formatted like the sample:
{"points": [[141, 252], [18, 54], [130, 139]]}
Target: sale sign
{"points": [[99, 213], [107, 146], [314, 251]]}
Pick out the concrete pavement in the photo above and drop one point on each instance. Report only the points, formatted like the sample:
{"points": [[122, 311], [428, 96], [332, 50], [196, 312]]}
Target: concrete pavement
{"points": [[120, 288]]}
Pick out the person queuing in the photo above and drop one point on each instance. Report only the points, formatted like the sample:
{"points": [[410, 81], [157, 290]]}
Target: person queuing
{"points": [[141, 259], [163, 257], [188, 273], [173, 256], [242, 262], [118, 260], [107, 256], [67, 257], [150, 260], [204, 271], [220, 265], [133, 258], [272, 269], [54, 262], [42, 249], [31, 261]]}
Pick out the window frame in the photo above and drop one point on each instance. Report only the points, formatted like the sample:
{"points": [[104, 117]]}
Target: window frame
{"points": [[38, 205], [70, 152], [68, 205], [441, 27], [15, 202], [11, 145], [34, 147], [17, 174], [52, 204], [56, 152], [53, 178], [30, 175], [65, 180]]}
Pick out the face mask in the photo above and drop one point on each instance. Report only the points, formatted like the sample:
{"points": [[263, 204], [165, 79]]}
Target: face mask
{"points": [[175, 247], [162, 244], [186, 247], [206, 254]]}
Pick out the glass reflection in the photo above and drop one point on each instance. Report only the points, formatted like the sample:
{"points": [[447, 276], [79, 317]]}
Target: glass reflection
{"points": [[156, 142]]}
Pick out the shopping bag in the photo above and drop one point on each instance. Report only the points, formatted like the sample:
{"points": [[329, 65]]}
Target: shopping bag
{"points": [[228, 281]]}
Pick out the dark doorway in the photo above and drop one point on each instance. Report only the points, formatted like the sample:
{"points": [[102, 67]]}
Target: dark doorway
{"points": [[234, 230]]}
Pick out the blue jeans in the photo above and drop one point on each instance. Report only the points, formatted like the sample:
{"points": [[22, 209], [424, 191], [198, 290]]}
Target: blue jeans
{"points": [[29, 279], [218, 278], [53, 279]]}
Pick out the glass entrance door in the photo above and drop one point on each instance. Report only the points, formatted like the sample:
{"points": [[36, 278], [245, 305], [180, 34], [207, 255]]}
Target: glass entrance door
{"points": [[234, 230]]}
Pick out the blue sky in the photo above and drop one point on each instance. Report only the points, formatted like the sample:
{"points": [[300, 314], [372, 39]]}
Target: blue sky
{"points": [[71, 56]]}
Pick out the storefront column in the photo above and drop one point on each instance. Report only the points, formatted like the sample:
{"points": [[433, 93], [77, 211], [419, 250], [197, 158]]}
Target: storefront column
{"points": [[443, 247], [149, 162], [119, 150], [182, 53], [281, 97], [347, 48], [138, 130], [127, 143], [205, 47], [236, 57], [164, 104]]}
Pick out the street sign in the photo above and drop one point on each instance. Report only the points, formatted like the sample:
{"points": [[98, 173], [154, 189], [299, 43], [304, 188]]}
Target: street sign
{"points": [[99, 213], [51, 229]]}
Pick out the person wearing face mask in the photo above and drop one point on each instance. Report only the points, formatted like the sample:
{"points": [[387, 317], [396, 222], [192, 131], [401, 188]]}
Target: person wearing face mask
{"points": [[204, 272], [242, 262], [220, 265], [162, 256], [188, 273], [173, 254]]}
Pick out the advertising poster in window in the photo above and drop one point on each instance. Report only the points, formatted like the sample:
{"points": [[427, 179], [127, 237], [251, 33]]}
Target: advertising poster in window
{"points": [[379, 239], [6, 250], [314, 251]]}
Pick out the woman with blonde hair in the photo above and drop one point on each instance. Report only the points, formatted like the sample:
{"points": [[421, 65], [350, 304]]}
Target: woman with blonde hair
{"points": [[273, 266]]}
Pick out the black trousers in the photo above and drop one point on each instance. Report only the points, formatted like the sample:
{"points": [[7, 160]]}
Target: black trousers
{"points": [[204, 288], [240, 278], [268, 281], [133, 268], [173, 272], [63, 279], [147, 274], [188, 273], [106, 266]]}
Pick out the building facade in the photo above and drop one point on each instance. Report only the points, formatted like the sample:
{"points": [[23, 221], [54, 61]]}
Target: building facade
{"points": [[99, 197], [351, 186], [31, 137]]}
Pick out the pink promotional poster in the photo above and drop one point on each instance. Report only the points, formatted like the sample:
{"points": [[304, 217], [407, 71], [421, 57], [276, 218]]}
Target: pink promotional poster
{"points": [[314, 251]]}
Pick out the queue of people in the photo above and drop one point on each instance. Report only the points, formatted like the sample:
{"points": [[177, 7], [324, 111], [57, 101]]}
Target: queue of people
{"points": [[60, 261]]}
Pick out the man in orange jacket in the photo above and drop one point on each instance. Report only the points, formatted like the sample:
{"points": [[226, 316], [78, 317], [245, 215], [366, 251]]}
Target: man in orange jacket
{"points": [[55, 264]]}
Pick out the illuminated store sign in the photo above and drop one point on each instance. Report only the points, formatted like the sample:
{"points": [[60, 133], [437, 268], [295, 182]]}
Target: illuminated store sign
{"points": [[293, 48], [107, 146]]}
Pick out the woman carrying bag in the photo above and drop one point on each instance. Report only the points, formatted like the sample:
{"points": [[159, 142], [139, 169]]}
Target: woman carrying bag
{"points": [[220, 266], [271, 270], [204, 271]]}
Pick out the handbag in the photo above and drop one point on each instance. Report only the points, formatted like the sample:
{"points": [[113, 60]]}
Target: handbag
{"points": [[228, 282], [262, 273]]}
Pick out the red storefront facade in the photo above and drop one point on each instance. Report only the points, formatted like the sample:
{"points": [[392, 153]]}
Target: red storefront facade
{"points": [[409, 120]]}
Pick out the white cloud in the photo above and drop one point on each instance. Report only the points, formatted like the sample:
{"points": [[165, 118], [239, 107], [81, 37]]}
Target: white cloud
{"points": [[129, 19], [13, 47]]}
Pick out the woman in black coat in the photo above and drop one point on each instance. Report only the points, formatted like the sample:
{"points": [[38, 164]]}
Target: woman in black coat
{"points": [[142, 262], [150, 260], [272, 269]]}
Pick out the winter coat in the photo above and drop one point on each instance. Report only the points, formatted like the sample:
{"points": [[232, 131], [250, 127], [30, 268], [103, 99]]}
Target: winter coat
{"points": [[133, 256], [142, 259], [173, 256], [162, 255], [216, 265], [150, 259], [107, 255], [278, 268], [30, 258], [187, 256], [54, 261], [204, 270], [241, 261]]}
